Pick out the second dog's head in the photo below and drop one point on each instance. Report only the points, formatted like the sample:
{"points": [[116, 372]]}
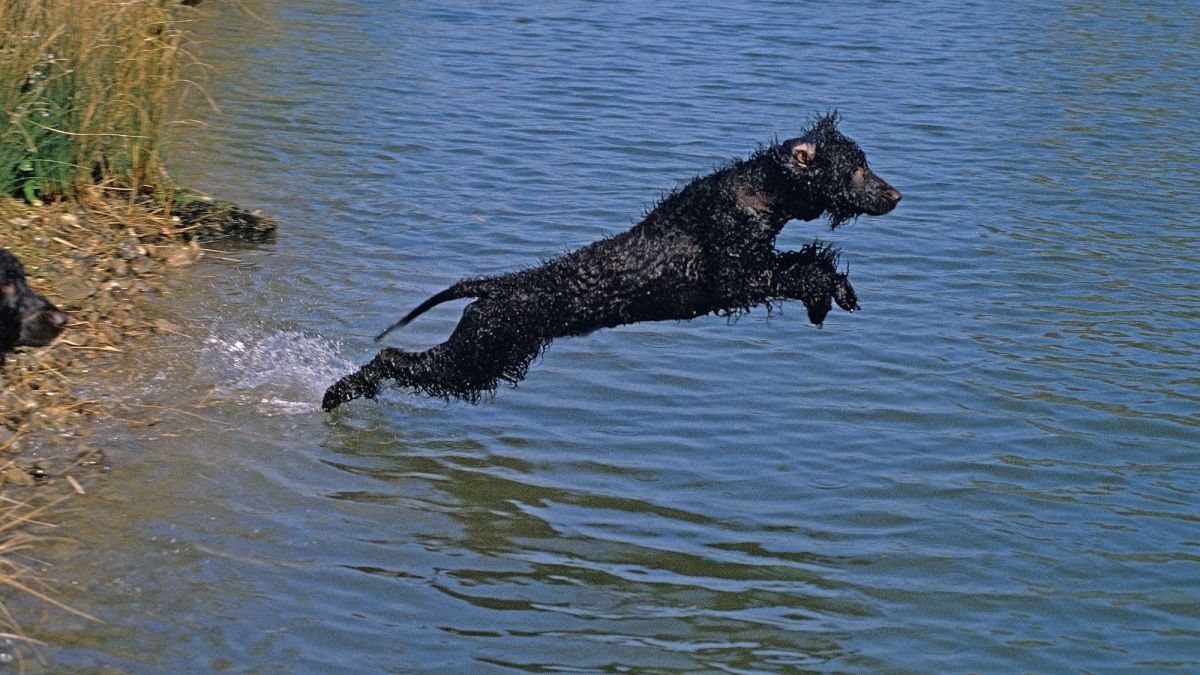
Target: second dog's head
{"points": [[26, 318], [827, 173]]}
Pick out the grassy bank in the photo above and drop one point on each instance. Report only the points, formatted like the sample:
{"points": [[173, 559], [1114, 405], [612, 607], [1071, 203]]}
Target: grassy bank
{"points": [[86, 90]]}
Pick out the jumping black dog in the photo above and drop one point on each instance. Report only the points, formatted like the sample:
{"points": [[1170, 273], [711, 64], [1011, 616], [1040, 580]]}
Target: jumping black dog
{"points": [[709, 247], [26, 318]]}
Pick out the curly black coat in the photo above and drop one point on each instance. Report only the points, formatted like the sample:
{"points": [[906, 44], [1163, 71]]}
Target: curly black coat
{"points": [[709, 247], [26, 318]]}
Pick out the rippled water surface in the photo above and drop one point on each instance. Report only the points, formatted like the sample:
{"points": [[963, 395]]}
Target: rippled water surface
{"points": [[992, 467]]}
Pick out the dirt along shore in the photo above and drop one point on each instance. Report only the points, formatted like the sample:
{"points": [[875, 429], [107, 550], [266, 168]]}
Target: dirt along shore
{"points": [[99, 259]]}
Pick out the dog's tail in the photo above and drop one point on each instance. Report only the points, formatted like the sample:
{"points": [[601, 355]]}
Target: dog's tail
{"points": [[467, 288]]}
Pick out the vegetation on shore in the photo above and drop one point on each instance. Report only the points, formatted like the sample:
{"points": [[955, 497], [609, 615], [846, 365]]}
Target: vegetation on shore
{"points": [[87, 88]]}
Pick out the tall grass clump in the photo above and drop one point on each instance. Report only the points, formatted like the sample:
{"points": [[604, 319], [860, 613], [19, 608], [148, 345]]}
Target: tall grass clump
{"points": [[85, 89]]}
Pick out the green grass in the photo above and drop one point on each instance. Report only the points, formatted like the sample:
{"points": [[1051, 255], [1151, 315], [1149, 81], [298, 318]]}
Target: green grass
{"points": [[86, 87]]}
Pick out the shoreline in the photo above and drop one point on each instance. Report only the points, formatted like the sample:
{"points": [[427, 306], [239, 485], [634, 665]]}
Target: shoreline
{"points": [[87, 92], [101, 261]]}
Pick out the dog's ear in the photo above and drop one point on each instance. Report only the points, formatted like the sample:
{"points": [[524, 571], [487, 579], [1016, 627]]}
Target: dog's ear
{"points": [[802, 152]]}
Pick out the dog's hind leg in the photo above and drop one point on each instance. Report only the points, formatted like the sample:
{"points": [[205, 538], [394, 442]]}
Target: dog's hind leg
{"points": [[485, 348], [365, 382]]}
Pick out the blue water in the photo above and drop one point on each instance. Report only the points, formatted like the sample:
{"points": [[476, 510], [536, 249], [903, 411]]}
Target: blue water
{"points": [[993, 467]]}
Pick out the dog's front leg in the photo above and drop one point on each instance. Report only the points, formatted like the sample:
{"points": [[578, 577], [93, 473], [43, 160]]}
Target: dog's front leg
{"points": [[810, 275]]}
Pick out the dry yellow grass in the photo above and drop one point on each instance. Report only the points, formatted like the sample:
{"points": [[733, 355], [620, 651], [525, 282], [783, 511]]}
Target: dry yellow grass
{"points": [[86, 87]]}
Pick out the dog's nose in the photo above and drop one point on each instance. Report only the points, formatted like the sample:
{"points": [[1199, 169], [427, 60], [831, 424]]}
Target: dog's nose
{"points": [[58, 319], [893, 195]]}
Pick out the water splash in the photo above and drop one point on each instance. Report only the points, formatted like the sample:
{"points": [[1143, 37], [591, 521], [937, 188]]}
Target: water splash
{"points": [[281, 372]]}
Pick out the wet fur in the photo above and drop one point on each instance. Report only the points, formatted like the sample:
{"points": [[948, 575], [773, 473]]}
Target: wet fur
{"points": [[708, 247]]}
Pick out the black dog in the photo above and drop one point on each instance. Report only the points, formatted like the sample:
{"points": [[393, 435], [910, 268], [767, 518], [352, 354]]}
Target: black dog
{"points": [[26, 318], [709, 247]]}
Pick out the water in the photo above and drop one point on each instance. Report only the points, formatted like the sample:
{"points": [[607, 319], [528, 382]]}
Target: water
{"points": [[992, 467]]}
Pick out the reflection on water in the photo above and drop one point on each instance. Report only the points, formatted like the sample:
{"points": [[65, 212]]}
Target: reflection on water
{"points": [[991, 468]]}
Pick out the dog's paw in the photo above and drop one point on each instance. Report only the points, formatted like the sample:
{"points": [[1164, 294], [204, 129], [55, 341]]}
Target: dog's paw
{"points": [[347, 389], [844, 295], [331, 400], [818, 309], [837, 289]]}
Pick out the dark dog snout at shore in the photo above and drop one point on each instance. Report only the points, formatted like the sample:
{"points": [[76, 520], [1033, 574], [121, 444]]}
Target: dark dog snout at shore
{"points": [[709, 247], [26, 318]]}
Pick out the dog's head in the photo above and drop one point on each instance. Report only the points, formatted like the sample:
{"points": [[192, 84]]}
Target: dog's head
{"points": [[26, 318], [827, 173]]}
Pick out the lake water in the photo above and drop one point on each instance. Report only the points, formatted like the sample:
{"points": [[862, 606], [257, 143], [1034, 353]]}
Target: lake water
{"points": [[994, 467]]}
